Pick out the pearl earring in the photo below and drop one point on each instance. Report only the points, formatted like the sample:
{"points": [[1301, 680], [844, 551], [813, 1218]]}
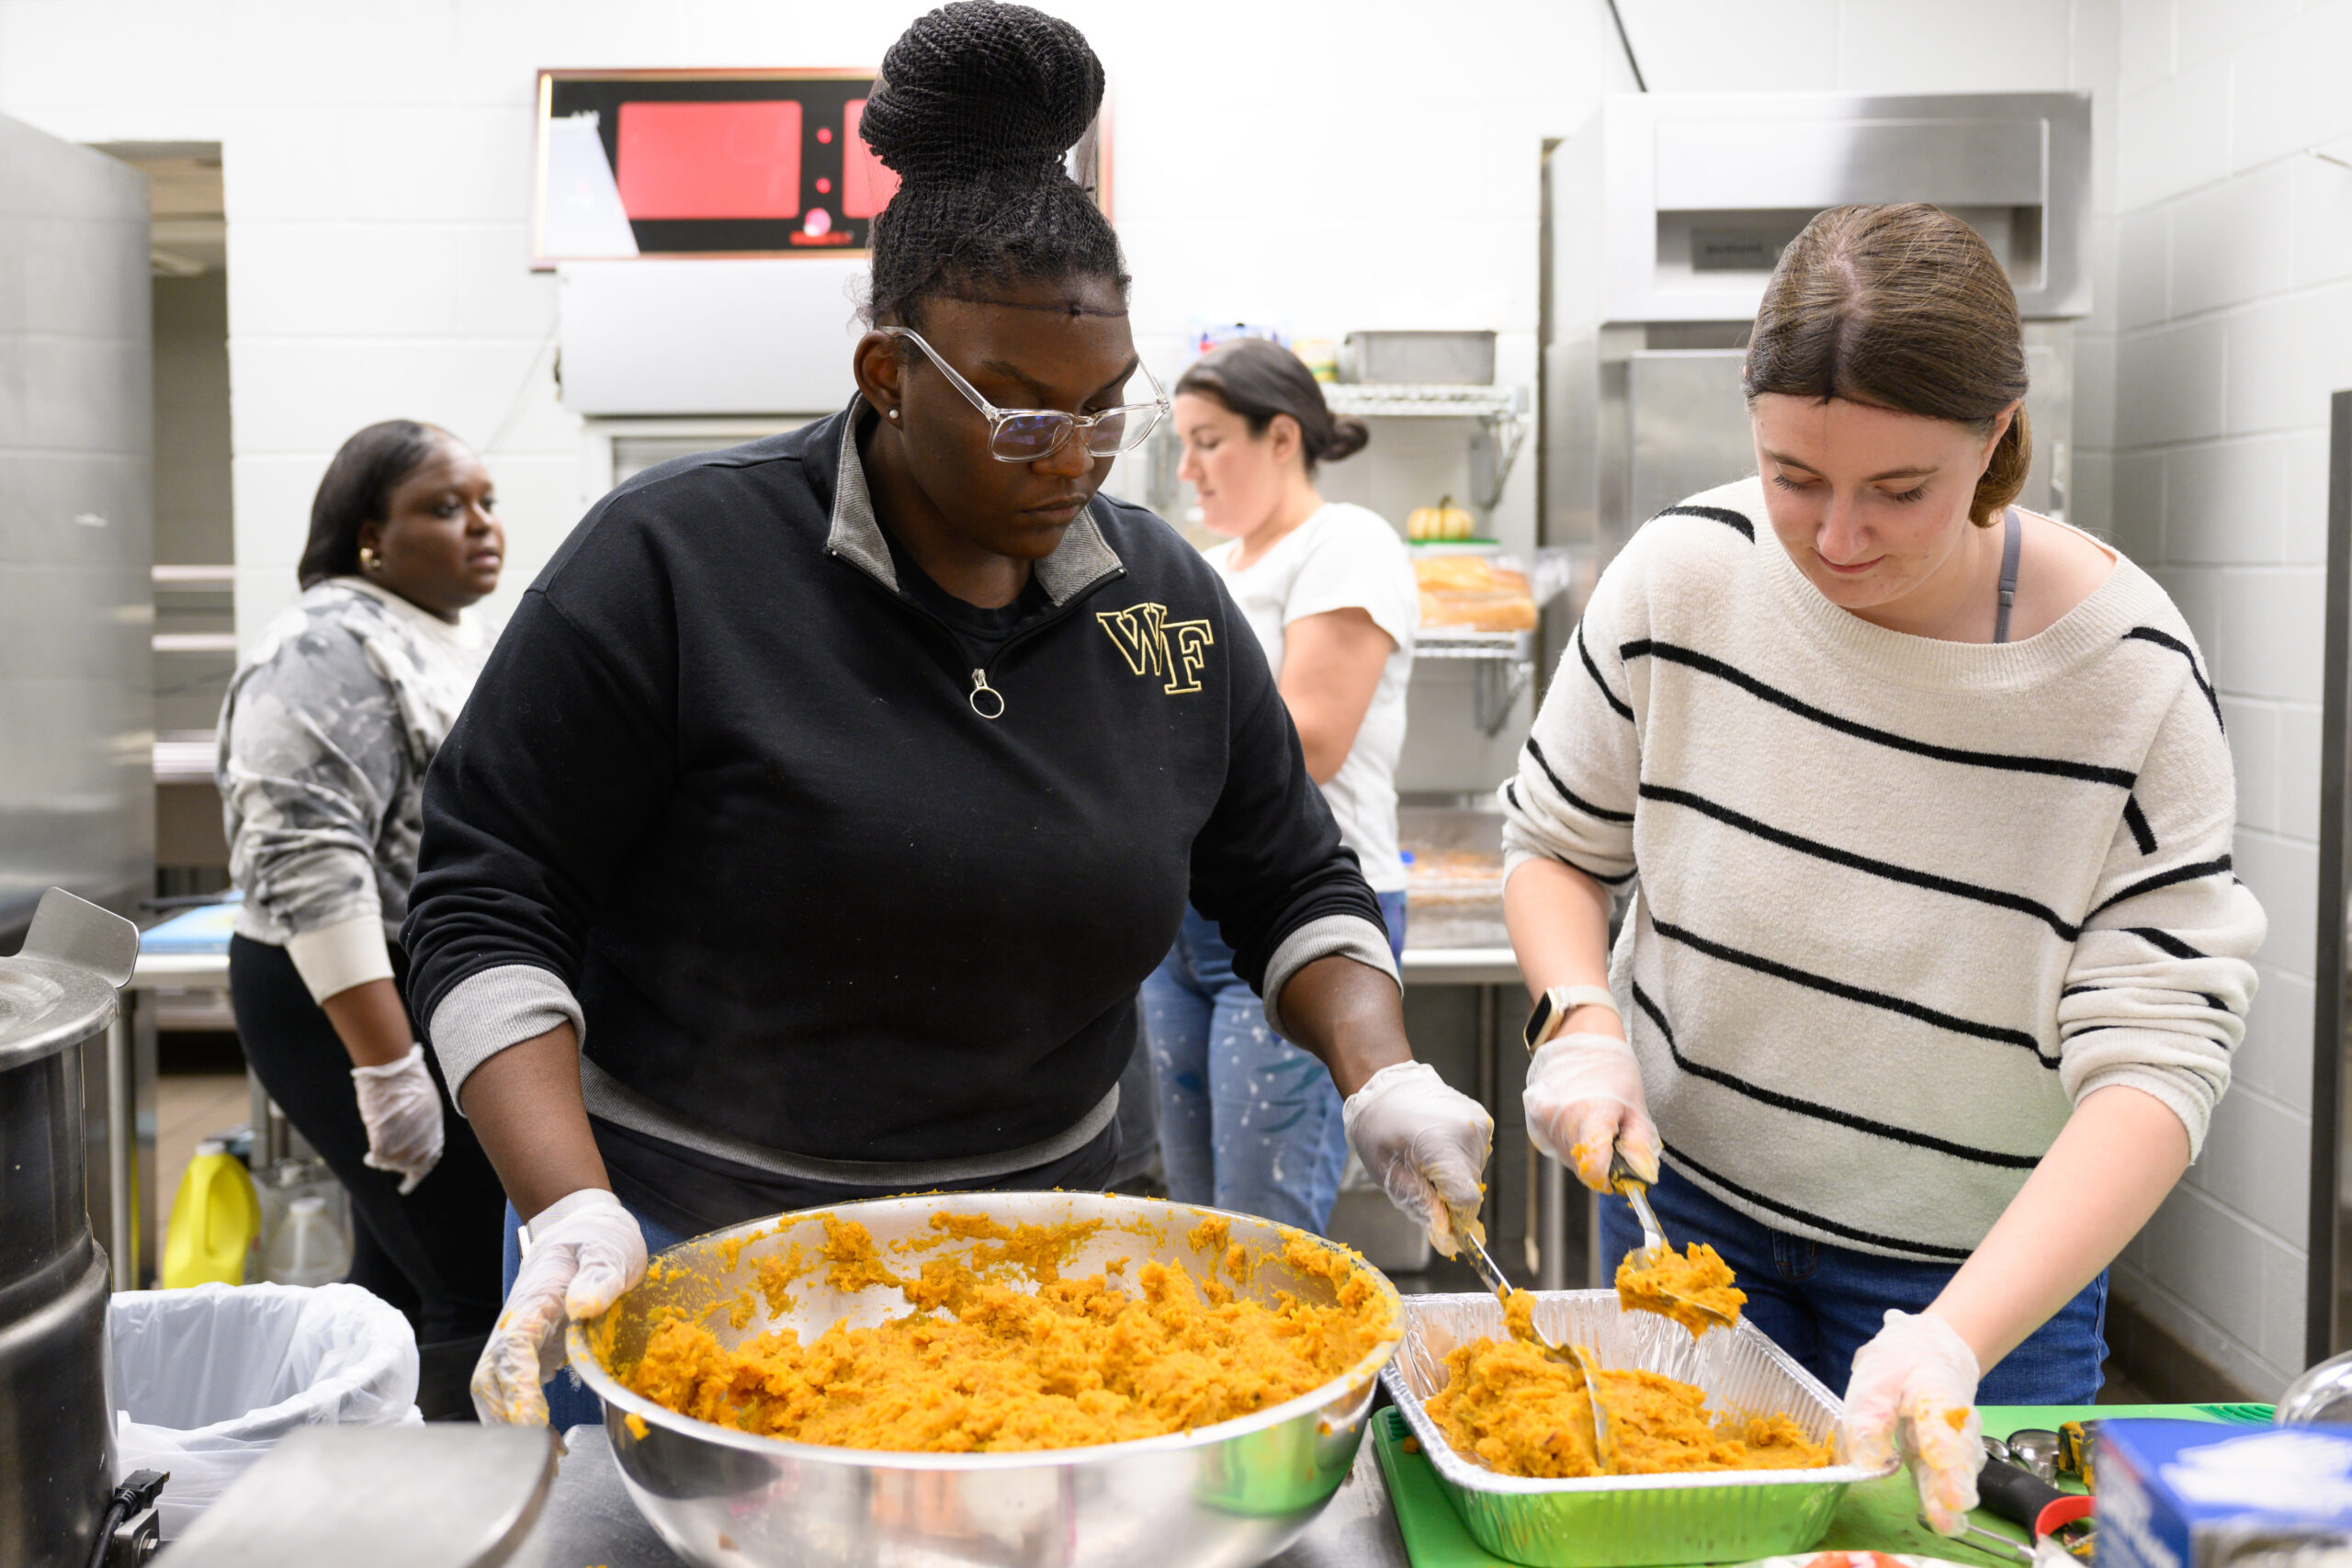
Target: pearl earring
{"points": [[894, 416], [369, 559]]}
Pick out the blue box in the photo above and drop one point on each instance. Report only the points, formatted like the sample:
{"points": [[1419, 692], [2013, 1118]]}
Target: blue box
{"points": [[2195, 1494]]}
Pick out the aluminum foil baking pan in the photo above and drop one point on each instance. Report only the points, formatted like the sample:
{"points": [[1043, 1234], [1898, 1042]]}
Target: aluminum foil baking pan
{"points": [[1631, 1520]]}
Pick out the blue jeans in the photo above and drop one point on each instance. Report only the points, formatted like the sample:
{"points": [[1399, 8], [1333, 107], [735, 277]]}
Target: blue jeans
{"points": [[1821, 1303], [570, 1404], [1247, 1121]]}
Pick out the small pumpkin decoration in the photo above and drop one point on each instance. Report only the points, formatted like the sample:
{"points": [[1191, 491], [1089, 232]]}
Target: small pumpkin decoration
{"points": [[1443, 521]]}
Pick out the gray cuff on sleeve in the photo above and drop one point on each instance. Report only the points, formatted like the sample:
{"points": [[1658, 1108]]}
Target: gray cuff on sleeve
{"points": [[1348, 936], [485, 1013]]}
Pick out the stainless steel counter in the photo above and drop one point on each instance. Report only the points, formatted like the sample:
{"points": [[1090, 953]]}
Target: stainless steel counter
{"points": [[589, 1519]]}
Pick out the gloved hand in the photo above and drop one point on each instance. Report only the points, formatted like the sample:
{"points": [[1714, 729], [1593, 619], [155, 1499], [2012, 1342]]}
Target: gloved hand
{"points": [[1426, 1145], [585, 1251], [1583, 1100], [401, 1111], [1916, 1384]]}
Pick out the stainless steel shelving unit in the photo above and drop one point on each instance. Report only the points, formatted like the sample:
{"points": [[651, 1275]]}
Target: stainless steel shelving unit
{"points": [[1506, 665], [1504, 416]]}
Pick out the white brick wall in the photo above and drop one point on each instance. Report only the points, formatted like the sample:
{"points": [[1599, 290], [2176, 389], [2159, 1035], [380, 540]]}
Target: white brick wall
{"points": [[2235, 324], [376, 157]]}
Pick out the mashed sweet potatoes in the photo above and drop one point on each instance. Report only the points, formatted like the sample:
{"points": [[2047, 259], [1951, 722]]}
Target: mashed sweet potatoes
{"points": [[1001, 1353], [1520, 1413], [1688, 1287]]}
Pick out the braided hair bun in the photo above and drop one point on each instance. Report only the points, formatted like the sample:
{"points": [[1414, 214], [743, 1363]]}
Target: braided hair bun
{"points": [[977, 90], [975, 108]]}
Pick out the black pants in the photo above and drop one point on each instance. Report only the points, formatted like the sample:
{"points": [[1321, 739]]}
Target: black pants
{"points": [[434, 1254]]}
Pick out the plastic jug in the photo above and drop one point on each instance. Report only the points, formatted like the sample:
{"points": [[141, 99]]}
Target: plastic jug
{"points": [[215, 1220], [308, 1248]]}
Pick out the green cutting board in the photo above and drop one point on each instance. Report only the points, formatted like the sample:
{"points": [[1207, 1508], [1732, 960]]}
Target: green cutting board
{"points": [[1877, 1516]]}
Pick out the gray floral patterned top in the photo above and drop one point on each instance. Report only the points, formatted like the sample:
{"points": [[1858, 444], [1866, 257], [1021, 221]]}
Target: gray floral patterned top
{"points": [[330, 723]]}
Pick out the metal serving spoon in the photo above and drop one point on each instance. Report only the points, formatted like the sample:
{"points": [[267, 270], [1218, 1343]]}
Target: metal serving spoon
{"points": [[1624, 1181], [1473, 1252]]}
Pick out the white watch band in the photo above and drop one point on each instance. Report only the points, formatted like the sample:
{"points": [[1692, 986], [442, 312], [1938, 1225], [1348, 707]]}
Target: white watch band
{"points": [[1566, 999]]}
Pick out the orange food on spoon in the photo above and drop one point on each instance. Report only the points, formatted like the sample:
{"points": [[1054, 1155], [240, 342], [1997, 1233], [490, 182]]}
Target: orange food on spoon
{"points": [[1673, 1284]]}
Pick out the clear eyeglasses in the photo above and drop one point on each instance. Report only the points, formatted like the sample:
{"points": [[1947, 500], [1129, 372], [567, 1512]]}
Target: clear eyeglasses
{"points": [[1029, 435]]}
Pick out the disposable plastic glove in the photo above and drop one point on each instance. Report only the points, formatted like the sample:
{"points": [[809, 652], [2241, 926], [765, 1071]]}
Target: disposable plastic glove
{"points": [[401, 1111], [585, 1251], [1426, 1143], [1916, 1384], [1584, 1100]]}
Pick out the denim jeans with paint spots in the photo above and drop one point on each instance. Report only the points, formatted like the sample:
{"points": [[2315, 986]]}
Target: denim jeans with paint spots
{"points": [[1247, 1121]]}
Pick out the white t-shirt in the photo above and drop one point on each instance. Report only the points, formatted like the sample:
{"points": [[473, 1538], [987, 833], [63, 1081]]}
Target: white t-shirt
{"points": [[1342, 557]]}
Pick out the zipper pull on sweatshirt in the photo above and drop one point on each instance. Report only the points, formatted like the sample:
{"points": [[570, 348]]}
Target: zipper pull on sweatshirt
{"points": [[986, 700]]}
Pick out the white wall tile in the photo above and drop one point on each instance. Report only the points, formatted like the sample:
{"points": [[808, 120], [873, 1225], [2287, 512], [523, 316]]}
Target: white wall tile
{"points": [[2291, 81], [2196, 593], [305, 395], [2207, 28], [2304, 536], [2284, 875], [2175, 135], [2322, 200], [2257, 1160], [2144, 267], [2206, 1255], [1922, 46], [2271, 632], [46, 58], [301, 52], [2091, 506], [2224, 501], [2169, 382], [2285, 355], [2285, 1266], [2254, 756], [1711, 46], [2145, 44], [2233, 242], [2298, 771], [2276, 1055], [2095, 391], [2139, 516], [393, 280], [379, 164]]}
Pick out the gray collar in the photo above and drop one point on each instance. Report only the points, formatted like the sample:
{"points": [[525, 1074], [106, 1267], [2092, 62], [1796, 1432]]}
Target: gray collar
{"points": [[1082, 557]]}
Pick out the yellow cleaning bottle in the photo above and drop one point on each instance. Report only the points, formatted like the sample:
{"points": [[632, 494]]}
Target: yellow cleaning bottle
{"points": [[215, 1220]]}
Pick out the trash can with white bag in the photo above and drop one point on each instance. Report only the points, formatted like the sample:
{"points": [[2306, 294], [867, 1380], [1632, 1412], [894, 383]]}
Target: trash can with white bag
{"points": [[205, 1381]]}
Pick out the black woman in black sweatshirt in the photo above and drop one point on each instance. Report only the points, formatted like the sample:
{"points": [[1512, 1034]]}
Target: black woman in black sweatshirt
{"points": [[814, 823]]}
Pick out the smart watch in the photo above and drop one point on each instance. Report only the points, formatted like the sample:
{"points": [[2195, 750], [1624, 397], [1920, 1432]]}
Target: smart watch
{"points": [[1558, 1002]]}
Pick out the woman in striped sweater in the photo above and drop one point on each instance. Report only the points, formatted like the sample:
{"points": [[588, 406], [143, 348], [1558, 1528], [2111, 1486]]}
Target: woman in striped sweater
{"points": [[1932, 961]]}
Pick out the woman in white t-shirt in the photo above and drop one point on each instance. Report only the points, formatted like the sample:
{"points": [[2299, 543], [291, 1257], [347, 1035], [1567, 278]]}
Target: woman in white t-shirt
{"points": [[1249, 1120]]}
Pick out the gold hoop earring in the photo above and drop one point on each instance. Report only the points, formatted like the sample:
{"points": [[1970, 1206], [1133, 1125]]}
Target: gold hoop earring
{"points": [[369, 560]]}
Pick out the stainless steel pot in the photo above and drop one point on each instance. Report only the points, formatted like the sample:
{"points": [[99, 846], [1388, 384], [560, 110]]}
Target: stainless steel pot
{"points": [[1223, 1496], [56, 1424]]}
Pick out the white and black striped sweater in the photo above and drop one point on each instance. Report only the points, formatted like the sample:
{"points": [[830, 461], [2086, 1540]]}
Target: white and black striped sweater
{"points": [[1902, 902]]}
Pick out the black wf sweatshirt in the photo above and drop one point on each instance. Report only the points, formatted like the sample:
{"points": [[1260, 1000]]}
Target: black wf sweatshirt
{"points": [[726, 798]]}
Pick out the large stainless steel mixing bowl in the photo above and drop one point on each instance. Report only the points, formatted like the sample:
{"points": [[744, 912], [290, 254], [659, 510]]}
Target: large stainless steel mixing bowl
{"points": [[1232, 1494]]}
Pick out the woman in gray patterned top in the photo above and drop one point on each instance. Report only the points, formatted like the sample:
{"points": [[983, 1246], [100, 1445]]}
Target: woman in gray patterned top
{"points": [[329, 725]]}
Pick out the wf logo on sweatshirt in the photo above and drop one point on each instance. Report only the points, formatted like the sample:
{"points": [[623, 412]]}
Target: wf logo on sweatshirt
{"points": [[1154, 645]]}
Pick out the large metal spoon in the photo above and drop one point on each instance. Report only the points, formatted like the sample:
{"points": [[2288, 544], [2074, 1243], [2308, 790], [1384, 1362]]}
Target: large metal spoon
{"points": [[1635, 1191], [1473, 1252]]}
